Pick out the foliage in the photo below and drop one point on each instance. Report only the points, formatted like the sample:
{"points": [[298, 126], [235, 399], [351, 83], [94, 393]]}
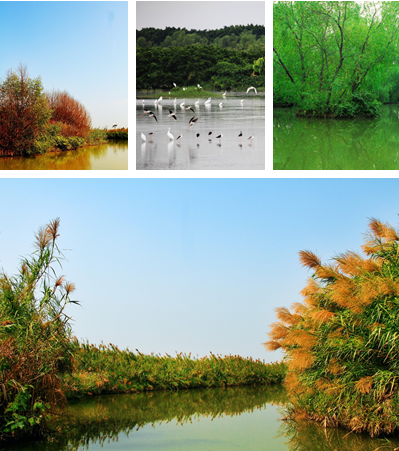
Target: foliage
{"points": [[341, 343], [106, 369], [117, 133], [193, 65], [69, 113], [35, 346], [24, 113], [326, 55]]}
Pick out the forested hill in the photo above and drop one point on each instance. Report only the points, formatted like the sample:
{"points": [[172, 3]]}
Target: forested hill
{"points": [[237, 37]]}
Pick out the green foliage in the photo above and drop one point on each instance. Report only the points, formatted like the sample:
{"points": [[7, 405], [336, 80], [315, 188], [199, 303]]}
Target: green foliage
{"points": [[337, 52], [106, 369], [342, 343], [35, 345]]}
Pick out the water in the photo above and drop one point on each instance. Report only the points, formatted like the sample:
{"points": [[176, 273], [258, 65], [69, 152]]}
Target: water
{"points": [[113, 155], [242, 418], [348, 144], [230, 119]]}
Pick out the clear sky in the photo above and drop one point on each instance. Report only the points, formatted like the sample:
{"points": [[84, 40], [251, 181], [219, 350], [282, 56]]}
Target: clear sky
{"points": [[80, 47], [192, 265], [194, 15]]}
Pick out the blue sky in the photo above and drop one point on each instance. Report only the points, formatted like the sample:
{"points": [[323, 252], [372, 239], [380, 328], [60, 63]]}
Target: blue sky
{"points": [[80, 47], [192, 265]]}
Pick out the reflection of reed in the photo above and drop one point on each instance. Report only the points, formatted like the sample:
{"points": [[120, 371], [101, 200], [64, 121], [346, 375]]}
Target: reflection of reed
{"points": [[102, 418], [306, 435]]}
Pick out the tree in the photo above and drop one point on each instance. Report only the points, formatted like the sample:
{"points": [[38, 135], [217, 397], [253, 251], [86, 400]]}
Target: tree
{"points": [[24, 112], [341, 344]]}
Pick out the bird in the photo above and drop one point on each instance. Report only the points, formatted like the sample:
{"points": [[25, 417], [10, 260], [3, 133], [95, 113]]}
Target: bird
{"points": [[175, 101], [189, 108], [174, 84], [171, 114], [240, 136], [182, 104], [153, 115], [251, 137], [207, 102], [171, 137], [179, 137], [220, 104], [197, 102], [219, 138], [114, 125], [146, 112], [200, 87], [209, 136], [143, 138], [252, 87], [159, 100], [197, 135], [224, 94], [242, 101], [142, 102], [192, 121], [150, 134]]}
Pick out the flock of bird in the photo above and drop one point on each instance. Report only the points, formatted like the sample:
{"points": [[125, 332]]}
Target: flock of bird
{"points": [[191, 122]]}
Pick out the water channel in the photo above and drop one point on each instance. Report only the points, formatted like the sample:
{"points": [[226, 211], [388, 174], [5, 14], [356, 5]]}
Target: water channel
{"points": [[343, 144], [112, 155], [244, 418], [229, 119]]}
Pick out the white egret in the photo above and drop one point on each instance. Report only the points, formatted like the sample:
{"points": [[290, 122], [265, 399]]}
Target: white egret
{"points": [[170, 136], [252, 87], [207, 102], [143, 138]]}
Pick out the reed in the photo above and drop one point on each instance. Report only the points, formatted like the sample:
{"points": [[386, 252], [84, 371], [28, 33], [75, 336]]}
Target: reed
{"points": [[106, 369], [342, 344]]}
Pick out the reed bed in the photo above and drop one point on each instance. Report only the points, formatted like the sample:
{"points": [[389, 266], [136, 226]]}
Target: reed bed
{"points": [[342, 342], [107, 369], [117, 133]]}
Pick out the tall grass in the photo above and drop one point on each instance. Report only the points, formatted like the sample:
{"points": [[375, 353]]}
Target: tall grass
{"points": [[106, 369], [35, 345], [342, 342]]}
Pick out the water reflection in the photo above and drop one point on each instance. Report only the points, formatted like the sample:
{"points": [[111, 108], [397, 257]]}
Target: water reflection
{"points": [[347, 144], [113, 155]]}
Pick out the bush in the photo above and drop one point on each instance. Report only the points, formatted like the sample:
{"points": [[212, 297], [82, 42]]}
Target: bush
{"points": [[35, 339], [24, 113]]}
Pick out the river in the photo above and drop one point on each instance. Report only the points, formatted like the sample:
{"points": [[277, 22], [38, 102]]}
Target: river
{"points": [[219, 419], [229, 152], [337, 144], [112, 155]]}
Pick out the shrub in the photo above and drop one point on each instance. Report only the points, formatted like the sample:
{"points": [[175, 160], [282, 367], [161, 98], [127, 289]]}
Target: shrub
{"points": [[24, 113]]}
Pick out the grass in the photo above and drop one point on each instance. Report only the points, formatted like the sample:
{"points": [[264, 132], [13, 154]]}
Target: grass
{"points": [[191, 92], [106, 369]]}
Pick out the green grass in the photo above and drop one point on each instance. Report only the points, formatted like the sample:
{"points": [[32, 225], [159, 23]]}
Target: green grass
{"points": [[191, 92], [106, 369]]}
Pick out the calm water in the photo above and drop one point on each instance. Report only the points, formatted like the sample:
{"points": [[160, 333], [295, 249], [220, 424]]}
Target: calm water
{"points": [[230, 119], [246, 418], [351, 144], [113, 155]]}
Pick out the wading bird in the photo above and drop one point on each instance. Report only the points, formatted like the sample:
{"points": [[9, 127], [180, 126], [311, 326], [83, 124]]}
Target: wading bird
{"points": [[224, 94], [240, 136], [197, 135], [242, 101], [191, 122], [143, 138], [251, 137], [170, 136], [150, 134], [174, 84], [220, 104], [219, 138], [209, 136], [146, 112], [182, 104], [189, 108], [171, 114], [256, 92], [153, 115], [207, 102], [179, 137]]}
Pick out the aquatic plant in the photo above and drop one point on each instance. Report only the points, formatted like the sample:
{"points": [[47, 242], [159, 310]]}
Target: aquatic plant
{"points": [[118, 133], [342, 343], [35, 345]]}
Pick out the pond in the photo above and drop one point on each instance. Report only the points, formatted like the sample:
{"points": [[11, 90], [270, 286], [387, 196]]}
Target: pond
{"points": [[112, 155], [343, 144], [219, 419], [229, 152]]}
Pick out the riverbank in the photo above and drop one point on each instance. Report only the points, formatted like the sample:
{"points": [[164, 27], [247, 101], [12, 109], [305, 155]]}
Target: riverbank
{"points": [[106, 369]]}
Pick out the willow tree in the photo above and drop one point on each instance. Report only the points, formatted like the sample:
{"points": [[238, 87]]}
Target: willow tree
{"points": [[327, 55], [342, 342]]}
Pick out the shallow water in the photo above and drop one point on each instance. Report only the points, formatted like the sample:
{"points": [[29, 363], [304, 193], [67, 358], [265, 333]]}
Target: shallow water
{"points": [[242, 418], [113, 155], [346, 144], [191, 152]]}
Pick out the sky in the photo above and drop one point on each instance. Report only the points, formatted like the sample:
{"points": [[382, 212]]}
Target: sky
{"points": [[189, 265], [206, 15], [74, 46]]}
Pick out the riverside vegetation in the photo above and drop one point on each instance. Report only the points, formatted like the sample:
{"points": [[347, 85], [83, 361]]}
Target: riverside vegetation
{"points": [[341, 343], [35, 122], [335, 59], [42, 364]]}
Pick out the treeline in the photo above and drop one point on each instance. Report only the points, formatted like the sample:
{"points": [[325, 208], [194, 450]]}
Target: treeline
{"points": [[239, 37], [335, 58], [210, 66], [33, 121]]}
